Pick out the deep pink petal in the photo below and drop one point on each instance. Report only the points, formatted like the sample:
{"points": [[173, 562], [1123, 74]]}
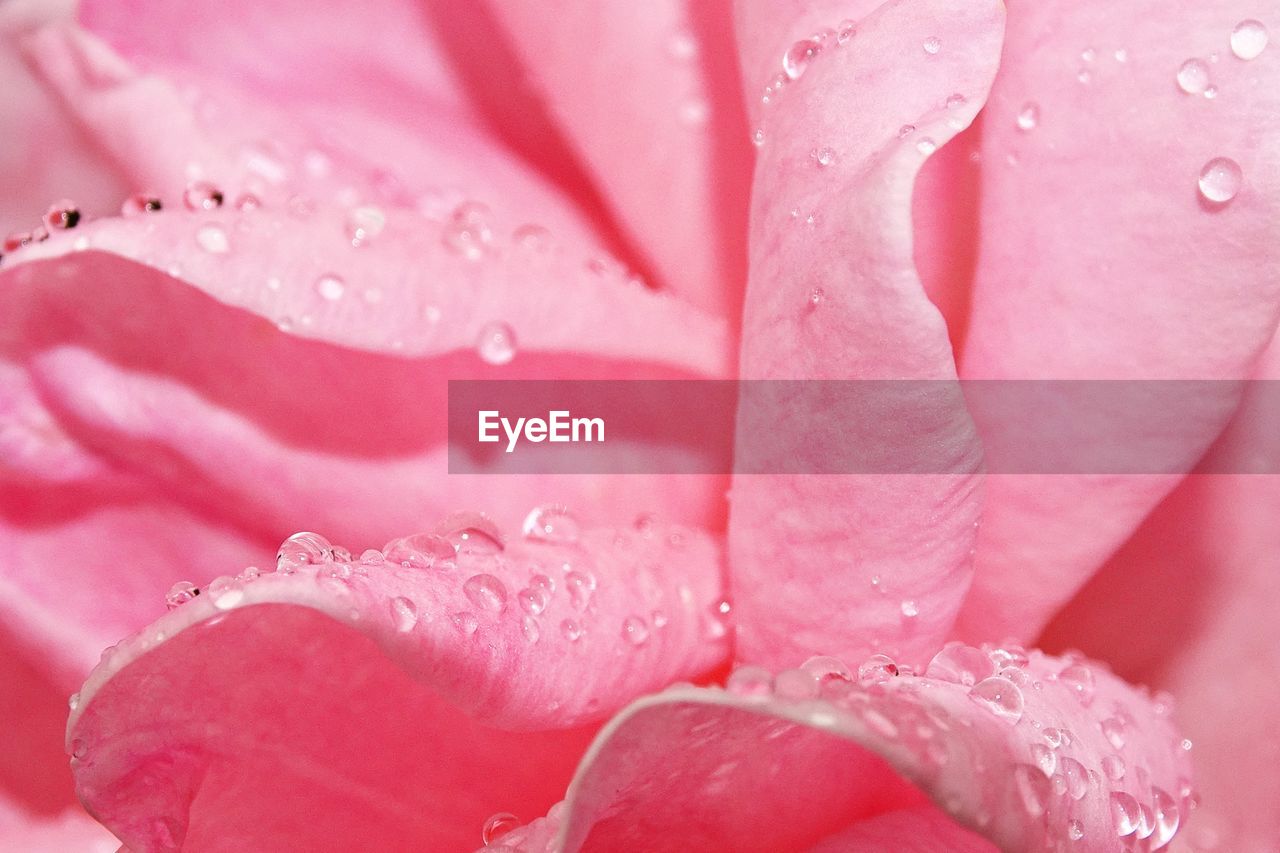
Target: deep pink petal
{"points": [[380, 696], [1101, 260], [1085, 765], [853, 563], [647, 90], [1203, 570]]}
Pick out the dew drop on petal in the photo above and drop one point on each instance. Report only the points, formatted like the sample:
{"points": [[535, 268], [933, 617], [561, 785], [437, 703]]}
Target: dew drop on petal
{"points": [[571, 630], [486, 592], [180, 593], [140, 203], [532, 238], [404, 614], [1220, 180], [1000, 696], [302, 549], [1029, 116], [467, 233], [1167, 818], [533, 600], [1193, 76], [1248, 39], [74, 701], [551, 523], [212, 237], [496, 343], [798, 57], [932, 45], [497, 826], [1046, 758], [421, 551], [202, 195], [1125, 815], [330, 287], [229, 598], [877, 669], [465, 622], [635, 631], [1121, 55], [960, 664], [1113, 729], [909, 609], [823, 156], [1078, 678], [530, 629], [1075, 830], [926, 145], [62, 215], [1033, 789], [581, 585], [750, 681], [1077, 778]]}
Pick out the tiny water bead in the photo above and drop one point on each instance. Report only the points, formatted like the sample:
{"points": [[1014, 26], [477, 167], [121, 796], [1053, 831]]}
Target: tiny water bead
{"points": [[635, 631], [533, 600], [1113, 729], [926, 145], [1075, 776], [62, 215], [362, 224], [1000, 696], [530, 629], [1193, 76], [823, 156], [202, 195], [1029, 116], [1113, 767], [1249, 39], [467, 233], [1220, 180], [212, 237], [909, 609], [757, 137], [1125, 815], [551, 524], [571, 630], [532, 238], [421, 551], [496, 344], [1033, 789], [798, 57], [302, 549], [581, 586], [497, 826], [486, 592], [404, 614], [877, 669], [1078, 678], [465, 622], [816, 296], [932, 45], [140, 203], [180, 593], [330, 287], [845, 32]]}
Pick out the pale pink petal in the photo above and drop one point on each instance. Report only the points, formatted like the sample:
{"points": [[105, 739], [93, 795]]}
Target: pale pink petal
{"points": [[70, 832], [391, 702], [1203, 570], [854, 563], [649, 95], [1100, 259], [1074, 759]]}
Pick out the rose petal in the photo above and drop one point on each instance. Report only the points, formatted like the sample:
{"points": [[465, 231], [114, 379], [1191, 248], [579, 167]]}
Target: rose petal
{"points": [[374, 693], [1095, 236], [854, 563], [71, 831], [816, 767], [1203, 572], [647, 89]]}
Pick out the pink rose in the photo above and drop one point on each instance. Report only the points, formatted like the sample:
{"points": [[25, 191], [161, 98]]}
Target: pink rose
{"points": [[359, 202]]}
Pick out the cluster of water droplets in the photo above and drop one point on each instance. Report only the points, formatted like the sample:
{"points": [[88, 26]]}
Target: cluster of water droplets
{"points": [[796, 60]]}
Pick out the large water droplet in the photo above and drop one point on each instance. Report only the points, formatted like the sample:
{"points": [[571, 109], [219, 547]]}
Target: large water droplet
{"points": [[846, 31], [1167, 818], [635, 630], [180, 593], [1125, 815], [580, 585], [404, 614], [1033, 789], [471, 533], [877, 669], [798, 57], [62, 215], [960, 664], [1113, 728], [302, 549], [1220, 180], [823, 156], [1076, 777], [825, 669], [465, 622], [140, 203], [1193, 76], [212, 237], [330, 287], [750, 681], [486, 592], [496, 343], [497, 826], [1075, 830], [1029, 116], [551, 524], [932, 45], [1000, 696], [1046, 758], [467, 233], [1248, 39], [421, 551], [202, 195], [1078, 678]]}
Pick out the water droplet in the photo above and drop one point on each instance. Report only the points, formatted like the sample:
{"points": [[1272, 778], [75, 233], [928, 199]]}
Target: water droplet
{"points": [[140, 203], [1033, 789], [1075, 830], [1084, 76], [1000, 696], [1248, 39], [798, 57], [404, 614], [212, 237], [471, 533], [1046, 758], [421, 551], [960, 664], [757, 137], [363, 224], [635, 631], [79, 749], [1088, 54], [1167, 818], [302, 549], [750, 681], [571, 630], [846, 31], [180, 593], [533, 600], [465, 622], [877, 669], [1029, 116], [824, 669], [62, 215], [1220, 180], [467, 232], [823, 156], [1193, 76], [529, 627], [330, 287], [202, 195], [795, 684], [1121, 55], [580, 585], [532, 238], [932, 45], [1113, 730], [910, 610], [1113, 766], [496, 343], [229, 598], [498, 826], [551, 524], [1076, 777], [486, 592], [1078, 678], [1125, 815], [1056, 737]]}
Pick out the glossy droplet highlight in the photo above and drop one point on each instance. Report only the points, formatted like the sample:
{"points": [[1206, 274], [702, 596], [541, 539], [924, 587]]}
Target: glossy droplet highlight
{"points": [[467, 233], [1078, 678], [571, 630], [202, 195], [551, 524], [330, 287], [825, 669], [1000, 696], [1046, 758], [404, 614], [795, 684], [1249, 39], [62, 215], [466, 623], [486, 592], [362, 224], [1167, 818], [932, 45], [1125, 815], [180, 593], [1033, 789], [909, 609], [302, 549], [212, 237], [1220, 180], [877, 669], [798, 57], [1075, 776], [960, 664], [1193, 76], [845, 32], [421, 551], [823, 156], [497, 826], [1029, 116], [497, 343], [140, 203], [471, 533], [635, 631]]}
